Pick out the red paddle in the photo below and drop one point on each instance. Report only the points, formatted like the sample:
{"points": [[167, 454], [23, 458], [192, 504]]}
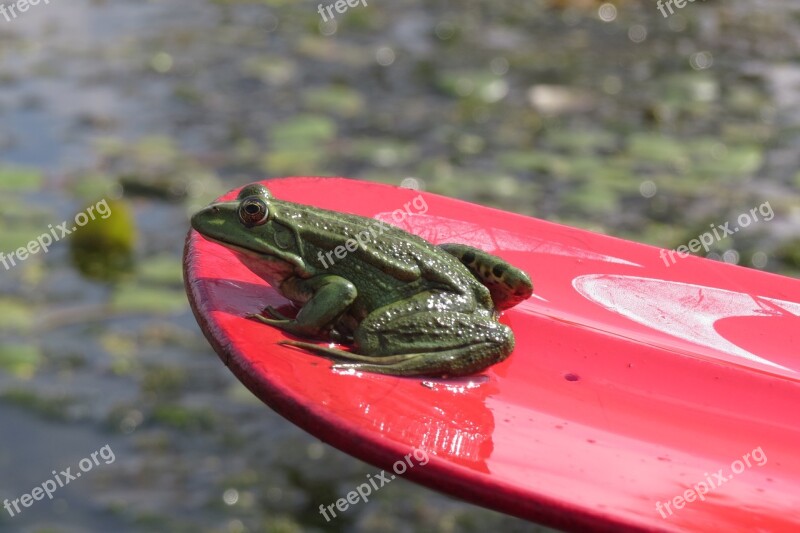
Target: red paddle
{"points": [[641, 394]]}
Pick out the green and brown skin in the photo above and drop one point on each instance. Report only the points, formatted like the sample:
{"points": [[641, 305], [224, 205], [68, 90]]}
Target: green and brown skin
{"points": [[406, 306]]}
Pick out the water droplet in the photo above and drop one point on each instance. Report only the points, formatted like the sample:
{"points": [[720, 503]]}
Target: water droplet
{"points": [[731, 256], [445, 30], [499, 66], [701, 60], [230, 496], [412, 183], [759, 260], [456, 385], [607, 12], [161, 62], [384, 56], [637, 33], [648, 189]]}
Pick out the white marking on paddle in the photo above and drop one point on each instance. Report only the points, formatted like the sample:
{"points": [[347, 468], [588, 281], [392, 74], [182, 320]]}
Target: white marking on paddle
{"points": [[682, 310]]}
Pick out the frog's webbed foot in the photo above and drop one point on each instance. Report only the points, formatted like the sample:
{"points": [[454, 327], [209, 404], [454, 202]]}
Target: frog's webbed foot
{"points": [[507, 284], [277, 322], [292, 326]]}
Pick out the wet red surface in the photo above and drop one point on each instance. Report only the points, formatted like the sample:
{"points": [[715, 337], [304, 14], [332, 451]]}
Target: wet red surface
{"points": [[631, 383]]}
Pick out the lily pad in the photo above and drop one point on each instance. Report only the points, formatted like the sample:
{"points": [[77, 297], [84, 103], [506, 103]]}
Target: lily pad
{"points": [[308, 131], [271, 69], [294, 162], [340, 100], [18, 316], [135, 298], [20, 360], [20, 179], [103, 248], [50, 408], [581, 141], [183, 418], [383, 152], [162, 270], [14, 236], [658, 149]]}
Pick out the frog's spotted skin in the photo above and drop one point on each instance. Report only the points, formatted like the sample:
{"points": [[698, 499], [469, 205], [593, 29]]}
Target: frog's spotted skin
{"points": [[405, 306], [507, 284]]}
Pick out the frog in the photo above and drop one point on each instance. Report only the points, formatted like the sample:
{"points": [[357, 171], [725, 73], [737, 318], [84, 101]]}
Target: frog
{"points": [[400, 304]]}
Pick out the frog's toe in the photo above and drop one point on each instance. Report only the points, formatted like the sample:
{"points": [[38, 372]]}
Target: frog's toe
{"points": [[265, 320], [362, 367], [408, 367], [507, 284], [342, 354]]}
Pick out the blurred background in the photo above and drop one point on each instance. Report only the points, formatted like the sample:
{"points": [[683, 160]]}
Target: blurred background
{"points": [[604, 116]]}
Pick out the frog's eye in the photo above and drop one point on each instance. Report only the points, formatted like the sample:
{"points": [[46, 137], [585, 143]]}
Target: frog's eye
{"points": [[253, 212]]}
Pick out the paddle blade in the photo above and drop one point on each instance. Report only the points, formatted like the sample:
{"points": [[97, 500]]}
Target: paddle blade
{"points": [[637, 376]]}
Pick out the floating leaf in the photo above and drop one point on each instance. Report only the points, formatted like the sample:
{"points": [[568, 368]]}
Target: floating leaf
{"points": [[20, 360], [18, 316], [340, 100], [183, 418], [270, 69], [20, 179], [308, 131], [102, 249], [162, 270], [135, 298], [55, 408]]}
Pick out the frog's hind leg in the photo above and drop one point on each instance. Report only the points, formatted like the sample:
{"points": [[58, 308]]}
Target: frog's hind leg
{"points": [[507, 284], [430, 343], [423, 343], [447, 363], [341, 354]]}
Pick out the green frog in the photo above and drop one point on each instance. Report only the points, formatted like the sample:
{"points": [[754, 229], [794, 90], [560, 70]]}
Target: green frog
{"points": [[404, 306]]}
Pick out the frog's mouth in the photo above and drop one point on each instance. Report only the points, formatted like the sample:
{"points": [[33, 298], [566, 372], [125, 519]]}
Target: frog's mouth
{"points": [[240, 250], [270, 267]]}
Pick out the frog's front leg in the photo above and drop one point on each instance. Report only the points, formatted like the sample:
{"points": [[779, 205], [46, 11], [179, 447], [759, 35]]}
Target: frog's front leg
{"points": [[327, 298]]}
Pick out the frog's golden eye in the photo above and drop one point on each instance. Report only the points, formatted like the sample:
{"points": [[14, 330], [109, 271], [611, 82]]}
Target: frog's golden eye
{"points": [[253, 212]]}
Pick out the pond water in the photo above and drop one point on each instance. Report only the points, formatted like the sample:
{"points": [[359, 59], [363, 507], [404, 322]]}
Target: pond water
{"points": [[607, 116]]}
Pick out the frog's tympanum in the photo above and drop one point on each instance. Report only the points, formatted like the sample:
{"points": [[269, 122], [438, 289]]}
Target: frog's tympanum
{"points": [[405, 306]]}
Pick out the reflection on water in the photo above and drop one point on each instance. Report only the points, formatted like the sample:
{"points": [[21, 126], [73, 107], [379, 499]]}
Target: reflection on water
{"points": [[633, 125]]}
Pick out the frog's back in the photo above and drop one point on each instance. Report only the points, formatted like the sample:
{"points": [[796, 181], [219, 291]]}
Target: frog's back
{"points": [[387, 262]]}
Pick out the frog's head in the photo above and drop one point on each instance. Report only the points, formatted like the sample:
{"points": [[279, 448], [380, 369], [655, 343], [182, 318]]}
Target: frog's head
{"points": [[245, 224]]}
